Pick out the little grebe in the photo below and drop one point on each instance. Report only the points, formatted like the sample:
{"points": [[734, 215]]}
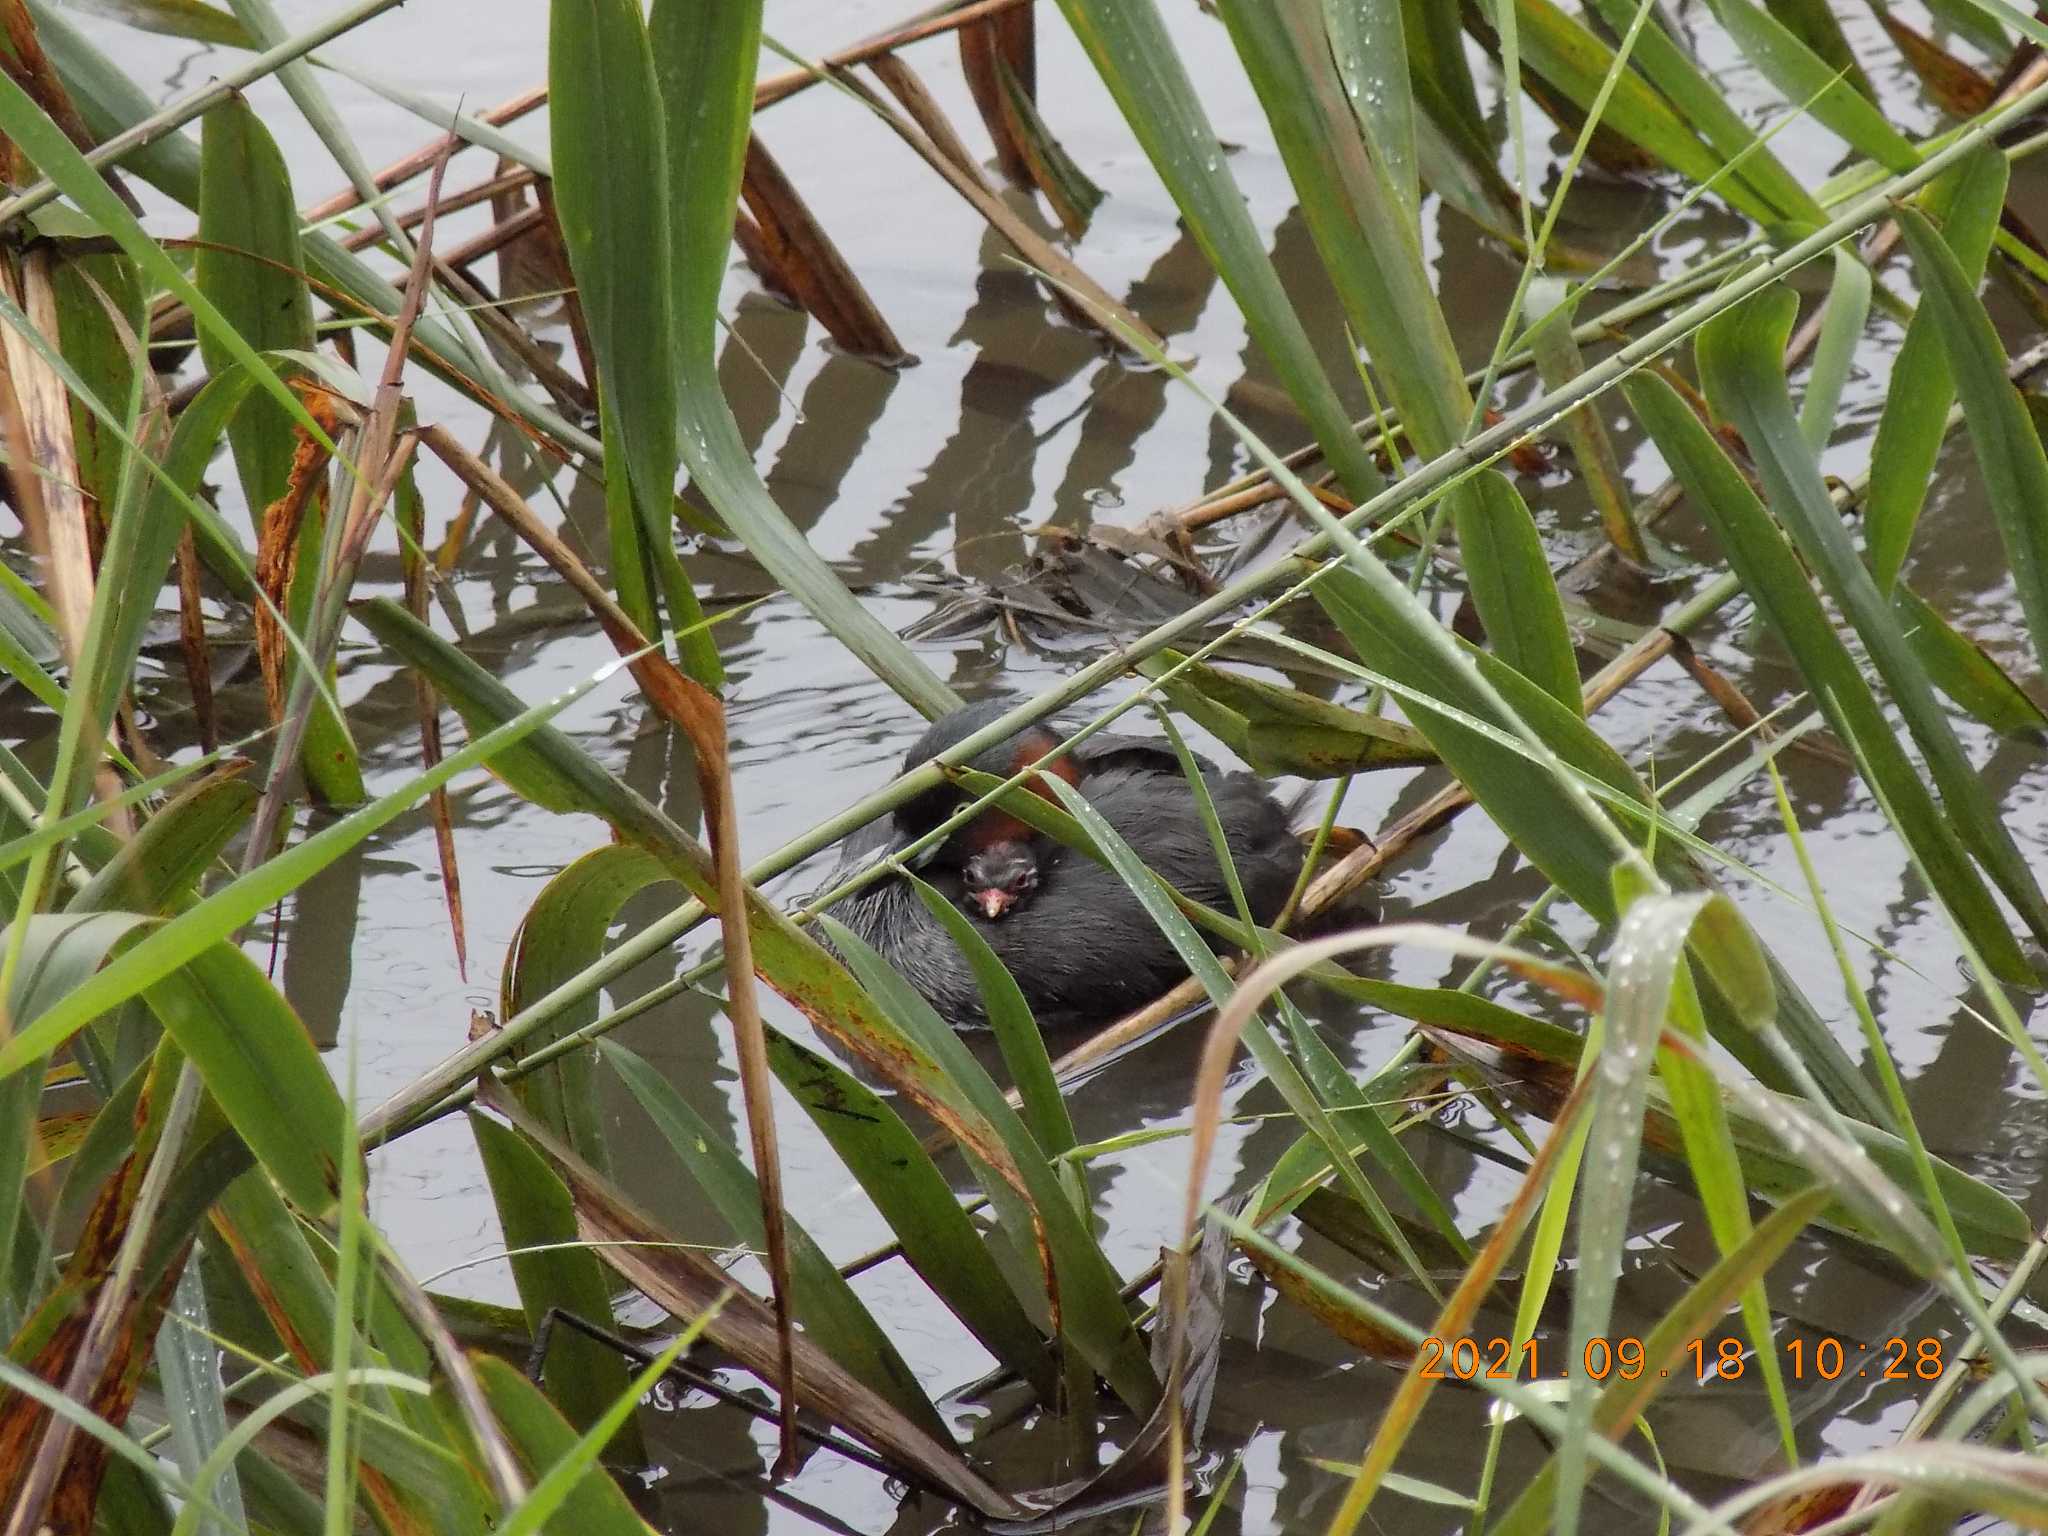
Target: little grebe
{"points": [[1077, 941]]}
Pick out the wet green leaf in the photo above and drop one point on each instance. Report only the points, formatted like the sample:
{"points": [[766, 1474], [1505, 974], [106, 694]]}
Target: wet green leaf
{"points": [[562, 932], [583, 1377], [1649, 947]]}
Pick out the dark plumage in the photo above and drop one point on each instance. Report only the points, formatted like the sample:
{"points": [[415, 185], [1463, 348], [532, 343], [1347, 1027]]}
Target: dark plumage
{"points": [[1070, 932]]}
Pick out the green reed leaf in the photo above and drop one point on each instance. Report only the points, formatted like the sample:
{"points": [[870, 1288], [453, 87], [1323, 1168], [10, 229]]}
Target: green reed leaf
{"points": [[1741, 357]]}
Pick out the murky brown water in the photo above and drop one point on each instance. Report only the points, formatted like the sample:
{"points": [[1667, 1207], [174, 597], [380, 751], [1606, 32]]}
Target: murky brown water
{"points": [[1013, 418]]}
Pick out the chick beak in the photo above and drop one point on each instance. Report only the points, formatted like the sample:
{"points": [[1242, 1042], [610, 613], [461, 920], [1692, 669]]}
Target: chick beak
{"points": [[993, 903]]}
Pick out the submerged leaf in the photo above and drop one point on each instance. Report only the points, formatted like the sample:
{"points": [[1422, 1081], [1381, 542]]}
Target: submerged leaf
{"points": [[1282, 730]]}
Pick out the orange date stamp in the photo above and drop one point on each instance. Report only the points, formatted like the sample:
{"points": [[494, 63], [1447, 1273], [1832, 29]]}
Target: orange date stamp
{"points": [[1704, 1360]]}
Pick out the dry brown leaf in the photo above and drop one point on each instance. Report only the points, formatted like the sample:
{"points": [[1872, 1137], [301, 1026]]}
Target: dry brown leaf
{"points": [[1958, 89], [1354, 1328], [1005, 39], [277, 537], [192, 642], [923, 131], [555, 250], [810, 265], [30, 68]]}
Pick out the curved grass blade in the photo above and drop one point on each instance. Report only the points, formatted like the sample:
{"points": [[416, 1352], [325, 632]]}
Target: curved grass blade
{"points": [[1370, 246], [1279, 730], [100, 313], [250, 265], [1648, 949], [261, 1066], [1548, 308], [1848, 307], [1561, 833], [561, 933], [1770, 572]]}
